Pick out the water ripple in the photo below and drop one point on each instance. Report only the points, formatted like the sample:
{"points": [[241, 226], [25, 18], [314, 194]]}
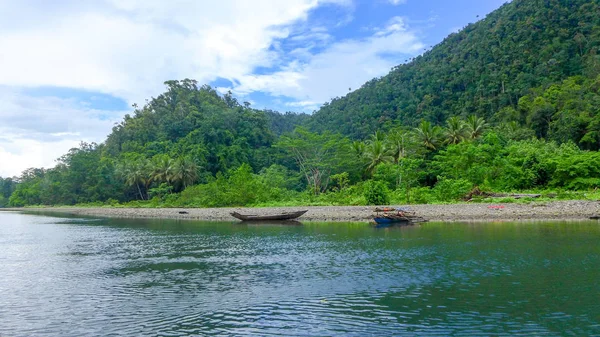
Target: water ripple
{"points": [[73, 277]]}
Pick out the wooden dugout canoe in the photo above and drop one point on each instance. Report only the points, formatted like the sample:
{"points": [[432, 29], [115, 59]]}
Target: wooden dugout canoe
{"points": [[271, 217]]}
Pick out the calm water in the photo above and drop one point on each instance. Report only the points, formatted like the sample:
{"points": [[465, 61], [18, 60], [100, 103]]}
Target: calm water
{"points": [[85, 277]]}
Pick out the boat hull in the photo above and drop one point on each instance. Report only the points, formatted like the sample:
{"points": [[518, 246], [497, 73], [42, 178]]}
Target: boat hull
{"points": [[385, 221], [271, 223], [273, 217]]}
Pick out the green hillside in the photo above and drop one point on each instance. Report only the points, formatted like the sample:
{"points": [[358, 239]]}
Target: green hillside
{"points": [[507, 104], [485, 69]]}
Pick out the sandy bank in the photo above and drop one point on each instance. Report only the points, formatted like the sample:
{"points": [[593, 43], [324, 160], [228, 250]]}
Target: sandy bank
{"points": [[559, 210]]}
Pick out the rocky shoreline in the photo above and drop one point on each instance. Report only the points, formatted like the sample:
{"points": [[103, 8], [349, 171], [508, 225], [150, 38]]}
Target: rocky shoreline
{"points": [[555, 210]]}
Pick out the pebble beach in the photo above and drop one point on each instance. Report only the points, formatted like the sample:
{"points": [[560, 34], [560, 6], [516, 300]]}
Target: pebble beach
{"points": [[555, 210]]}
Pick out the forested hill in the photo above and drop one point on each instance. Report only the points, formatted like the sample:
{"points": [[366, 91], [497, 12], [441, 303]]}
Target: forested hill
{"points": [[483, 70], [510, 103]]}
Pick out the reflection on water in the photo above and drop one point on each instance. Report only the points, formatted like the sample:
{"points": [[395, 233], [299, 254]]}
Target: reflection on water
{"points": [[74, 277]]}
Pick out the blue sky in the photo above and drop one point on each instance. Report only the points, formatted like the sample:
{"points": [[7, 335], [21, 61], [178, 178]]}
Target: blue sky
{"points": [[430, 22], [71, 68]]}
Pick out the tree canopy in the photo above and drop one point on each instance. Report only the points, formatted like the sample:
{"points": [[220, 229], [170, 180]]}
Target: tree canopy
{"points": [[523, 47]]}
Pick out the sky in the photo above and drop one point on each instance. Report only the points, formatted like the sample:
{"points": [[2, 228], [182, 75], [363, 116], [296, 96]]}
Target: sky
{"points": [[71, 69]]}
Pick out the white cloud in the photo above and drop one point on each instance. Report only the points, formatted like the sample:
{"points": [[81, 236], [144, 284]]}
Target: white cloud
{"points": [[128, 48], [34, 131], [397, 2], [125, 48], [395, 25], [344, 65], [303, 104], [24, 153]]}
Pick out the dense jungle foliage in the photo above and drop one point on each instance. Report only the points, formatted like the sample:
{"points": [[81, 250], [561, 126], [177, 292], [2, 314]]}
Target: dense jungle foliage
{"points": [[507, 104], [481, 70]]}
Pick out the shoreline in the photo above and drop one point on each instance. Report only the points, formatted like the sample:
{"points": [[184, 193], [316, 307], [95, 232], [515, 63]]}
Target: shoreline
{"points": [[554, 210]]}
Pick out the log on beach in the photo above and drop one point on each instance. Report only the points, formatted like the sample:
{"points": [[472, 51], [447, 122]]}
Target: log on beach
{"points": [[513, 195]]}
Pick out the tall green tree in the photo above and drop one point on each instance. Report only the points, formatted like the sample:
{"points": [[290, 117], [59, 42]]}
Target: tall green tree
{"points": [[318, 156], [135, 174], [428, 135], [162, 169], [376, 153], [184, 172], [475, 127], [455, 131]]}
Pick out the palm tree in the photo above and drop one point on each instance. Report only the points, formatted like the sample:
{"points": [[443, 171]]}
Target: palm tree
{"points": [[396, 143], [162, 169], [144, 172], [376, 153], [428, 135], [358, 148], [185, 171], [475, 126], [455, 131], [133, 175], [377, 136]]}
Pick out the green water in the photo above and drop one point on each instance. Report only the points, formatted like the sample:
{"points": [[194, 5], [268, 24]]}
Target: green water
{"points": [[87, 277]]}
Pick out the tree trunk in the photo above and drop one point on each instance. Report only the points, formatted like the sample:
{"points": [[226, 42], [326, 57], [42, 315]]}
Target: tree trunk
{"points": [[140, 191]]}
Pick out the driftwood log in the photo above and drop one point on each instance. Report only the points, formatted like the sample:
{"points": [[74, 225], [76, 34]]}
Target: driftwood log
{"points": [[516, 196], [476, 192]]}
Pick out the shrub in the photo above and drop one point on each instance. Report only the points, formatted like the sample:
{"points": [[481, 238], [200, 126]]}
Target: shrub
{"points": [[387, 173], [161, 191], [340, 181], [582, 184], [422, 195], [451, 189], [352, 195], [376, 193]]}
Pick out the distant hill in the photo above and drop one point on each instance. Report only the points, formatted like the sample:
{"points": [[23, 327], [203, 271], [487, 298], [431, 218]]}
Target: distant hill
{"points": [[281, 123], [485, 69]]}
